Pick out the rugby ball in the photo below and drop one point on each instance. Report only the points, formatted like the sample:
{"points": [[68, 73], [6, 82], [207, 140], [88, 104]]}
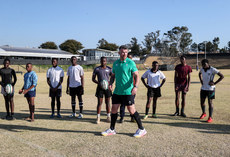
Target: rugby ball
{"points": [[9, 89], [104, 84]]}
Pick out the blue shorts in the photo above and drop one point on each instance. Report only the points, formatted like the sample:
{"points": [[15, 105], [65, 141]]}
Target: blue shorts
{"points": [[30, 94]]}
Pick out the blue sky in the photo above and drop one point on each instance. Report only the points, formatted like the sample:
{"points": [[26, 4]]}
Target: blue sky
{"points": [[28, 23]]}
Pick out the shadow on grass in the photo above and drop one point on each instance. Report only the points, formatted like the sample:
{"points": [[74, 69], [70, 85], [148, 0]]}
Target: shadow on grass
{"points": [[17, 128]]}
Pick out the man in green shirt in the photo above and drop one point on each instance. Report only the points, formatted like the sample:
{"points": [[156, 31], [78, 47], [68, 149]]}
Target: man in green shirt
{"points": [[124, 70]]}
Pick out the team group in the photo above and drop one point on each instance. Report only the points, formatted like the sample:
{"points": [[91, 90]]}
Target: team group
{"points": [[126, 76]]}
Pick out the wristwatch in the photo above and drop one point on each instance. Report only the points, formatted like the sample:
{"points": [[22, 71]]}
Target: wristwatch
{"points": [[135, 86]]}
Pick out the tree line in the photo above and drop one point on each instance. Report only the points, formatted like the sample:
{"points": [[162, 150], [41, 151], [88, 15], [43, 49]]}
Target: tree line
{"points": [[174, 42]]}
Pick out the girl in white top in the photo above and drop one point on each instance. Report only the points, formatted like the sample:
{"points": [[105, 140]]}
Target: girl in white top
{"points": [[153, 85]]}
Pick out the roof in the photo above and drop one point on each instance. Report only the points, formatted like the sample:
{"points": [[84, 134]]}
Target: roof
{"points": [[33, 52], [97, 49]]}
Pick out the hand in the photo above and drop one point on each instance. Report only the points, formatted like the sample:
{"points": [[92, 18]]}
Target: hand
{"points": [[20, 91], [134, 91], [211, 83], [25, 91], [82, 90], [111, 87], [67, 91]]}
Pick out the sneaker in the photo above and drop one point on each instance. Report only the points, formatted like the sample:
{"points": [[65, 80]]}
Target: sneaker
{"points": [[59, 116], [98, 120], [176, 114], [145, 117], [108, 119], [183, 114], [72, 115], [80, 116], [209, 120], [108, 132], [203, 115], [121, 120], [140, 133], [52, 115], [154, 116]]}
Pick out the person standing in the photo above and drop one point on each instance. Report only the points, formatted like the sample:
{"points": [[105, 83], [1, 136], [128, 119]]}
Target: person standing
{"points": [[29, 89], [123, 71], [154, 87], [206, 76], [7, 74], [75, 86], [55, 76], [181, 83], [102, 72]]}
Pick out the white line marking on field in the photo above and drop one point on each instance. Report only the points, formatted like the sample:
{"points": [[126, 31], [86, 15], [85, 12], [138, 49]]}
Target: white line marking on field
{"points": [[50, 152]]}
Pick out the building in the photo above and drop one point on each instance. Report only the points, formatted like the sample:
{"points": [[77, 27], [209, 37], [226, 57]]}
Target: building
{"points": [[34, 53], [96, 54]]}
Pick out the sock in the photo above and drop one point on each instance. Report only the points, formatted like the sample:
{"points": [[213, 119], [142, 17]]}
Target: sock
{"points": [[113, 121], [81, 106], [108, 114], [154, 109], [203, 109], [146, 111], [98, 115], [138, 120], [210, 111]]}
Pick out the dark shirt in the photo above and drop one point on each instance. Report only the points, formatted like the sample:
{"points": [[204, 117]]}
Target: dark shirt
{"points": [[6, 74], [102, 74], [182, 72]]}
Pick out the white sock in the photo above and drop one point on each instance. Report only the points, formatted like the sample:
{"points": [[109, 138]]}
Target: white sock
{"points": [[98, 115], [108, 114]]}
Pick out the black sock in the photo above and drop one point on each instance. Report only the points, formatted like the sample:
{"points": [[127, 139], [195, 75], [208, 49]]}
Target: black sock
{"points": [[177, 109], [113, 121], [182, 110], [154, 109], [52, 105], [58, 106], [203, 108], [210, 111], [138, 120], [146, 110]]}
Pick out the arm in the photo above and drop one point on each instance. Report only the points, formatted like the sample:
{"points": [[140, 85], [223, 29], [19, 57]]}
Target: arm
{"points": [[136, 78], [200, 77], [48, 82], [15, 78], [163, 81], [67, 88], [221, 76], [60, 82], [189, 78], [21, 90], [27, 90], [112, 78], [94, 79], [175, 78], [143, 81]]}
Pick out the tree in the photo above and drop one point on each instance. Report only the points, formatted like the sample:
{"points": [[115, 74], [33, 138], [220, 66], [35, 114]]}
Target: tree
{"points": [[103, 44], [71, 46], [181, 39], [152, 41], [215, 42], [48, 45], [135, 47], [194, 47]]}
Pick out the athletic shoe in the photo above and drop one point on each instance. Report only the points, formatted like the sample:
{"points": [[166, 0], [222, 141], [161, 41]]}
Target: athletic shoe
{"points": [[72, 115], [80, 116], [98, 120], [145, 117], [52, 115], [121, 120], [140, 133], [183, 114], [59, 116], [108, 132], [203, 115], [209, 120], [154, 116], [176, 114], [108, 119]]}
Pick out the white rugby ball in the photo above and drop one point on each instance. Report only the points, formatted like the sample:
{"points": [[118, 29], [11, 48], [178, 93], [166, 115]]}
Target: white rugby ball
{"points": [[9, 89], [104, 84]]}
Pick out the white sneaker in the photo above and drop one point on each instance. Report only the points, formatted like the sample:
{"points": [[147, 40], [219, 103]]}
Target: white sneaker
{"points": [[80, 116], [108, 132], [72, 115], [140, 133]]}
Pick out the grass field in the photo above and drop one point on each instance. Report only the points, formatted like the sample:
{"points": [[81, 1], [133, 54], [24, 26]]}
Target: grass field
{"points": [[167, 135]]}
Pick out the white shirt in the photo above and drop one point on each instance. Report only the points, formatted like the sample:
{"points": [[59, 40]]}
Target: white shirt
{"points": [[54, 75], [75, 73], [207, 77], [153, 79]]}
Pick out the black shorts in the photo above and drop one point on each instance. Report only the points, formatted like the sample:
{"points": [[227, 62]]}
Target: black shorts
{"points": [[76, 91], [207, 93], [100, 92], [154, 92], [57, 93], [126, 100]]}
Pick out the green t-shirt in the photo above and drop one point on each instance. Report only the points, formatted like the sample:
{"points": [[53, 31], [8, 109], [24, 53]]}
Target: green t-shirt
{"points": [[123, 71]]}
